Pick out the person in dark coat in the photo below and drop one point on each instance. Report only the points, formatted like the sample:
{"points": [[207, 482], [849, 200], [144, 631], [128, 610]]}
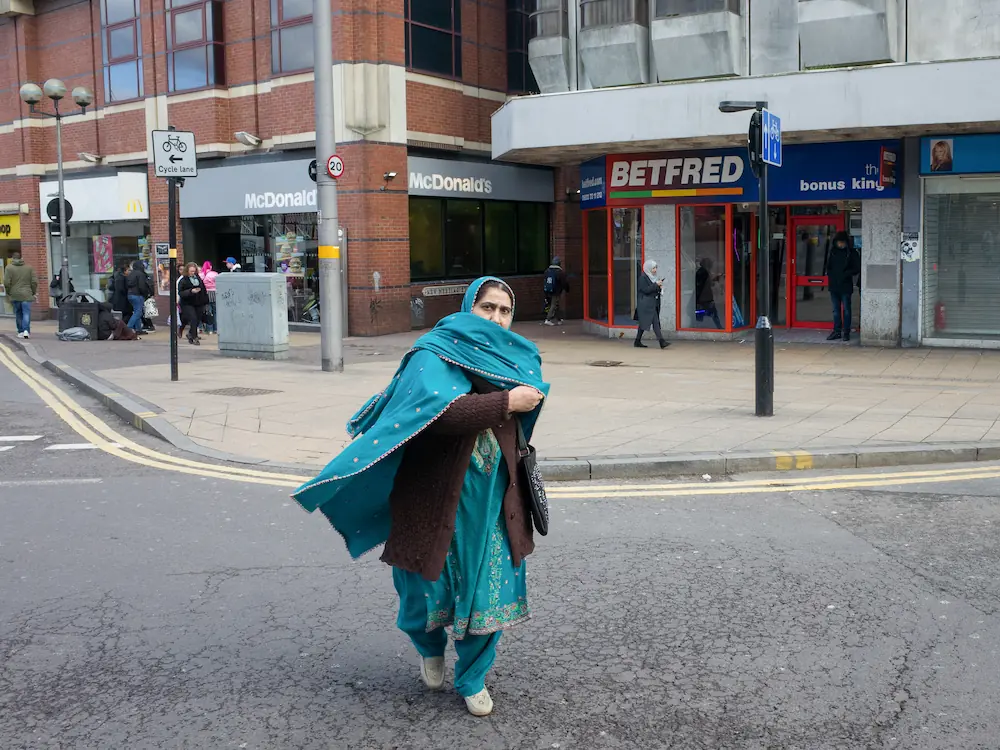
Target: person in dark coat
{"points": [[194, 302], [843, 265], [118, 292], [704, 293], [647, 311], [139, 290]]}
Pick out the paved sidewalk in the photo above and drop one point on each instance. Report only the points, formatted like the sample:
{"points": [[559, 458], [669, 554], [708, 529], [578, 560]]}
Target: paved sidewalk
{"points": [[695, 397]]}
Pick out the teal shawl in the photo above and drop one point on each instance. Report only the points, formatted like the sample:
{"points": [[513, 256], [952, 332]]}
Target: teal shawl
{"points": [[353, 490]]}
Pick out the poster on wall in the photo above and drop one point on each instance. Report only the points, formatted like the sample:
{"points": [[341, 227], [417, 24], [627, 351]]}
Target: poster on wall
{"points": [[103, 262], [289, 254], [909, 246], [162, 269]]}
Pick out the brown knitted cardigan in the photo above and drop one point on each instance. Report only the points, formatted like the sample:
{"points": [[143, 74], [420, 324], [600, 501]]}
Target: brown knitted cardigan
{"points": [[424, 499]]}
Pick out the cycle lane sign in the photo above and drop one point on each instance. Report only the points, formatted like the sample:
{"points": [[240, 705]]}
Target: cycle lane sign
{"points": [[174, 154]]}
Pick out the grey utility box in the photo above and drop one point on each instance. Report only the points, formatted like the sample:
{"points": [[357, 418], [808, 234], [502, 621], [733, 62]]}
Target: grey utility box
{"points": [[252, 315]]}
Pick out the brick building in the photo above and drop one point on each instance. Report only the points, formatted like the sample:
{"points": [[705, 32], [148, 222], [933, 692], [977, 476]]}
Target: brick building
{"points": [[416, 83]]}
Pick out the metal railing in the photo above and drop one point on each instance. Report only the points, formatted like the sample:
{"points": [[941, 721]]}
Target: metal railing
{"points": [[671, 8], [597, 13]]}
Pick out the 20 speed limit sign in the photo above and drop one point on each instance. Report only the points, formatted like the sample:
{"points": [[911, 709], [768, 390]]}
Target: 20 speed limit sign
{"points": [[335, 167]]}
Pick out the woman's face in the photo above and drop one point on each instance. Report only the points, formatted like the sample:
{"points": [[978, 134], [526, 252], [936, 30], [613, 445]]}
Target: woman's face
{"points": [[496, 305], [192, 270]]}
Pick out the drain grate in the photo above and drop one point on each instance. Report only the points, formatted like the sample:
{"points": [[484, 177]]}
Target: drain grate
{"points": [[239, 392], [605, 363]]}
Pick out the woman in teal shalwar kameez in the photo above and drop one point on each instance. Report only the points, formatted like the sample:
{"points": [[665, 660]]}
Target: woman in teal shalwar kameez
{"points": [[432, 473]]}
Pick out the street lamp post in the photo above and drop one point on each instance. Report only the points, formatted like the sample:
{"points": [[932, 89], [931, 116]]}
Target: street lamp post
{"points": [[763, 334], [54, 89]]}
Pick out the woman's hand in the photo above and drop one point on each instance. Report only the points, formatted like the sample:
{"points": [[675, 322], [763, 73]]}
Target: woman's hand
{"points": [[523, 399]]}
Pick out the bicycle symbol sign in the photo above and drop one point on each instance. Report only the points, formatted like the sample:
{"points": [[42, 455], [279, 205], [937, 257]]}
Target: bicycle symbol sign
{"points": [[174, 154]]}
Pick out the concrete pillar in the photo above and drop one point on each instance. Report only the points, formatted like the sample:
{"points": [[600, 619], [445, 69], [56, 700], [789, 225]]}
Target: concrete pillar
{"points": [[912, 222], [660, 224], [880, 272]]}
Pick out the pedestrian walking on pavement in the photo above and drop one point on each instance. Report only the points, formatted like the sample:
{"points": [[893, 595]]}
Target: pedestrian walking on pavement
{"points": [[194, 302], [208, 275], [647, 311], [139, 289], [232, 265], [555, 285], [118, 292], [55, 287], [431, 473], [21, 283], [844, 264]]}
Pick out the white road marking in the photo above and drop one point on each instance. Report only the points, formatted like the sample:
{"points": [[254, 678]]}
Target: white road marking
{"points": [[6, 448], [77, 446], [19, 438], [46, 482]]}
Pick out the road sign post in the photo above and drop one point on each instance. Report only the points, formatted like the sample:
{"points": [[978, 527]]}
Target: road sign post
{"points": [[764, 146], [331, 264], [174, 158]]}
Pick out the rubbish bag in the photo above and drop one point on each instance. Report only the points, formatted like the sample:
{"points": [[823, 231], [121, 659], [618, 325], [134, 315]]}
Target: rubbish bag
{"points": [[77, 333]]}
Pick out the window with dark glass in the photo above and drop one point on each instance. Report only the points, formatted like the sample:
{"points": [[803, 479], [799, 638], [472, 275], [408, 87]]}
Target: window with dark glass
{"points": [[433, 36], [520, 79], [462, 239], [196, 57], [291, 36], [121, 47], [669, 8]]}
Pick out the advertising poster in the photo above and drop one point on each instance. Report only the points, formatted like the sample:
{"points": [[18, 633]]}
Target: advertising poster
{"points": [[103, 262], [162, 269], [289, 254]]}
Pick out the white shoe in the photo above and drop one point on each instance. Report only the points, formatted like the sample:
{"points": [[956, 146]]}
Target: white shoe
{"points": [[549, 323], [480, 704], [21, 335], [26, 335], [432, 672]]}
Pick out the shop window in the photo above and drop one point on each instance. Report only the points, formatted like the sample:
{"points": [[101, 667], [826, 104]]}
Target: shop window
{"points": [[960, 245], [433, 36], [596, 240], [701, 267], [195, 49], [122, 50], [532, 237], [501, 238], [626, 259], [463, 244], [291, 36], [95, 250], [520, 79], [461, 239]]}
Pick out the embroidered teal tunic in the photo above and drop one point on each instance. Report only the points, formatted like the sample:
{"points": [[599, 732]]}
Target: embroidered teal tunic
{"points": [[480, 591]]}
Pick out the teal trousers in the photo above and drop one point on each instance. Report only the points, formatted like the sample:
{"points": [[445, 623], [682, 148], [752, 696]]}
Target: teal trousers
{"points": [[476, 653]]}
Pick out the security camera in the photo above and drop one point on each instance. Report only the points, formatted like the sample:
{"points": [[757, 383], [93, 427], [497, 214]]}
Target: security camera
{"points": [[389, 176], [247, 139]]}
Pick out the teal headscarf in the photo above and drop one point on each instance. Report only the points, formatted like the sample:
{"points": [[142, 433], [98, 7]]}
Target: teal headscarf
{"points": [[353, 490]]}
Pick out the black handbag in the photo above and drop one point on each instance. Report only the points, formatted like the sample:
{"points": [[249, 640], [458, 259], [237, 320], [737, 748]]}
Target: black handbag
{"points": [[531, 482]]}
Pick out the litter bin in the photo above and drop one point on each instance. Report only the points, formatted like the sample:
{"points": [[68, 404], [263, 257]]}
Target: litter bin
{"points": [[79, 309]]}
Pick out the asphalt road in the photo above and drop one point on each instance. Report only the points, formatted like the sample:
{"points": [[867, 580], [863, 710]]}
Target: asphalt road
{"points": [[142, 607]]}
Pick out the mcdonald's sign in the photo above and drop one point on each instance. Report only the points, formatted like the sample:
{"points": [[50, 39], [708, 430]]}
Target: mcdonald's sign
{"points": [[134, 207]]}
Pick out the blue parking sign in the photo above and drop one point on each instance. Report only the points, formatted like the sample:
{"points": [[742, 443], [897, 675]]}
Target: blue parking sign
{"points": [[770, 136]]}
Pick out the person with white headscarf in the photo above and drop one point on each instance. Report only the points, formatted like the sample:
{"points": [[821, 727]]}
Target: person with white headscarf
{"points": [[647, 311]]}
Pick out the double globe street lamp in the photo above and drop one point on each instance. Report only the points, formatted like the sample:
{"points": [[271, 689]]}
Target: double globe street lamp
{"points": [[54, 89]]}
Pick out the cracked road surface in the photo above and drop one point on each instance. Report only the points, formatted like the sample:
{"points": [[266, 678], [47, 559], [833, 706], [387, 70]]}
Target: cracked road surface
{"points": [[147, 609]]}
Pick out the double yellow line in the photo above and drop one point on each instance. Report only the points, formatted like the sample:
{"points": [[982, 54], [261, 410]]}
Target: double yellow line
{"points": [[100, 434]]}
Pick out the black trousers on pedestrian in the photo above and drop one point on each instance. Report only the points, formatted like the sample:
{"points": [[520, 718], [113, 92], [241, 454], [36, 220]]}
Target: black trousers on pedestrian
{"points": [[656, 330], [190, 317]]}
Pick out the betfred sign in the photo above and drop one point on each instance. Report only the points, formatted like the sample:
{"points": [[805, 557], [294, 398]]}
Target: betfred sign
{"points": [[810, 173], [692, 171], [680, 178]]}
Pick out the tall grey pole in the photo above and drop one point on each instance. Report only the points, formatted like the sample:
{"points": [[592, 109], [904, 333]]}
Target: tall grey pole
{"points": [[330, 267], [62, 202]]}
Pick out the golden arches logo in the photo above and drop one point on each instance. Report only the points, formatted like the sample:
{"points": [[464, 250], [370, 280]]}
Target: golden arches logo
{"points": [[134, 206]]}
